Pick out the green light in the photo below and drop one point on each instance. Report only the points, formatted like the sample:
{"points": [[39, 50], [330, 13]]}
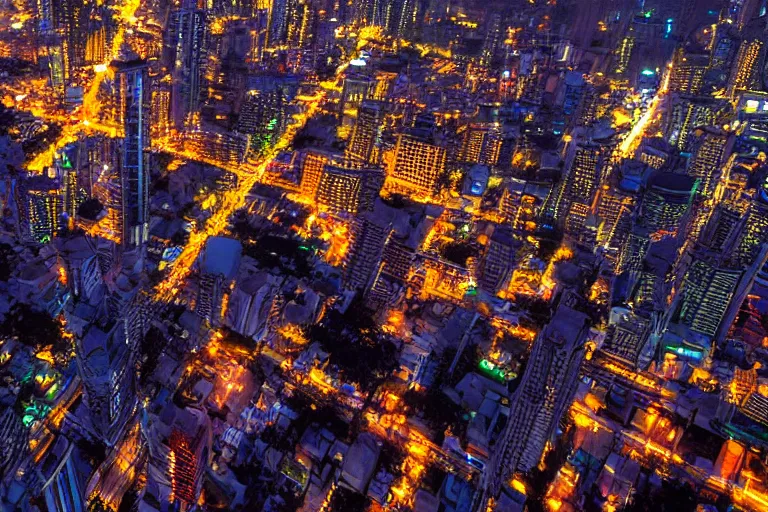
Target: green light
{"points": [[492, 371], [683, 351], [647, 72], [648, 14], [51, 394]]}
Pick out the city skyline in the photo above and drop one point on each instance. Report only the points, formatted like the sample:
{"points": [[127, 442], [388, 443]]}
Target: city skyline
{"points": [[384, 255]]}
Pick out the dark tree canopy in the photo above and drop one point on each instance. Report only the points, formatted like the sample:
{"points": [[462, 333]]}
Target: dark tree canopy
{"points": [[32, 327], [356, 345], [459, 252], [90, 209], [8, 261]]}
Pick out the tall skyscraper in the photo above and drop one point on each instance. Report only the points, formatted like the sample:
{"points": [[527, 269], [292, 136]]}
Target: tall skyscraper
{"points": [[365, 141], [585, 173], [277, 29], [418, 164], [356, 89], [403, 18], [581, 181], [623, 52], [62, 487], [706, 292], [263, 114], [613, 209], [105, 362], [747, 68], [62, 25], [626, 337], [544, 395], [666, 199], [711, 146], [481, 143], [188, 46], [42, 207], [687, 74], [349, 188], [753, 233], [311, 163], [180, 451], [368, 236], [219, 264], [301, 24], [574, 86], [498, 260], [723, 48], [688, 113], [132, 99]]}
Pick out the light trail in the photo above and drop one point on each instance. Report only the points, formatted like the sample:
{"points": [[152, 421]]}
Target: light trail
{"points": [[91, 105], [248, 176], [629, 144], [635, 136]]}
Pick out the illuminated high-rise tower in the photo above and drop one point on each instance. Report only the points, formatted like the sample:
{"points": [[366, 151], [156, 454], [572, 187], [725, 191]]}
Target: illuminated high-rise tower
{"points": [[403, 17], [579, 186], [63, 27], [188, 41], [544, 395], [706, 291], [42, 207], [493, 38], [749, 234], [105, 363], [688, 113], [418, 164], [365, 141], [351, 187], [278, 22], [131, 94], [72, 22], [218, 263], [368, 237], [687, 74], [748, 10], [747, 69], [301, 24], [481, 143], [623, 52], [666, 199], [263, 113], [723, 43], [711, 147]]}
